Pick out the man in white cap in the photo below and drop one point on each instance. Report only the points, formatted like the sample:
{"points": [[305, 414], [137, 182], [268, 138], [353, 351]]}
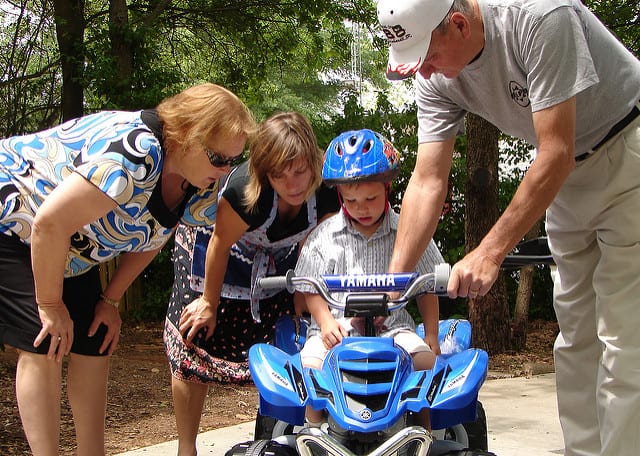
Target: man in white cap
{"points": [[549, 72]]}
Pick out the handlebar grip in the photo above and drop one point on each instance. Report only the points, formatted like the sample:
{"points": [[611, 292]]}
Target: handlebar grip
{"points": [[272, 282], [277, 282], [441, 278]]}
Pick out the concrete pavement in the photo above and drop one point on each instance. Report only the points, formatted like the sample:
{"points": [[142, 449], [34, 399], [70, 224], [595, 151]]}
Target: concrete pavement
{"points": [[522, 416], [522, 419]]}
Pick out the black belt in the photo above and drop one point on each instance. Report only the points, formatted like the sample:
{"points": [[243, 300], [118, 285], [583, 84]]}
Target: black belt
{"points": [[617, 128]]}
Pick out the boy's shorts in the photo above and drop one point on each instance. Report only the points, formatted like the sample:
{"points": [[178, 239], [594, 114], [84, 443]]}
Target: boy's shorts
{"points": [[19, 318], [411, 342]]}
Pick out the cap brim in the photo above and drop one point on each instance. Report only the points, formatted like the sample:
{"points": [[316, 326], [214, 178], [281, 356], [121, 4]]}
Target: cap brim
{"points": [[406, 62]]}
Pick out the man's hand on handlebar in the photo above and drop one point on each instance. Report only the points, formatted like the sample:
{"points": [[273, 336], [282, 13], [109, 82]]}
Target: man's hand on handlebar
{"points": [[473, 275]]}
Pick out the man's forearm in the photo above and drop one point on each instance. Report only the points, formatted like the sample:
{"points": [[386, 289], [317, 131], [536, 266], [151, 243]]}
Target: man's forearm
{"points": [[536, 191], [422, 204], [419, 215]]}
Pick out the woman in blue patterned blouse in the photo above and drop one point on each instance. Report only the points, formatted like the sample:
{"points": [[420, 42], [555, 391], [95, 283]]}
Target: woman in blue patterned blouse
{"points": [[76, 195]]}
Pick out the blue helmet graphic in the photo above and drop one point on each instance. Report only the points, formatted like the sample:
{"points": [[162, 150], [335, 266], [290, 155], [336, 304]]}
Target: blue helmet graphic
{"points": [[360, 155]]}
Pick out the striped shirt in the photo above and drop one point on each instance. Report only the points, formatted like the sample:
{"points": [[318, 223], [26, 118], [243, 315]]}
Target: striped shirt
{"points": [[336, 247]]}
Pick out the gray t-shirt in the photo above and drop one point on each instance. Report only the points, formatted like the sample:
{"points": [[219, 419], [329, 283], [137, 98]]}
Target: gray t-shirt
{"points": [[537, 53]]}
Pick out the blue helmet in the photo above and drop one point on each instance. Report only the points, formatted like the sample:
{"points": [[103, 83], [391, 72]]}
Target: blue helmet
{"points": [[360, 155]]}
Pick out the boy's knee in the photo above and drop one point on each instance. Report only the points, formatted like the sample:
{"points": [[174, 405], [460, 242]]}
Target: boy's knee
{"points": [[424, 360], [312, 362]]}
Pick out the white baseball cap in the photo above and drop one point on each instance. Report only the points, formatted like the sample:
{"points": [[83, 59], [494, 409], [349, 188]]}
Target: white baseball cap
{"points": [[407, 26]]}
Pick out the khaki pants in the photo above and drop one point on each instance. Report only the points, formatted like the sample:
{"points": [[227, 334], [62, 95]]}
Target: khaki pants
{"points": [[594, 234]]}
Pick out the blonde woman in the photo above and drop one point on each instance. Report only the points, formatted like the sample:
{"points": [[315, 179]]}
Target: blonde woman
{"points": [[77, 195], [267, 206]]}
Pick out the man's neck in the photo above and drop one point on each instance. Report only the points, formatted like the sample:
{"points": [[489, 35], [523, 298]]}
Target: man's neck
{"points": [[477, 31]]}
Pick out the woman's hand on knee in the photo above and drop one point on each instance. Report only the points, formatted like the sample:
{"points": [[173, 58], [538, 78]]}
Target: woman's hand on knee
{"points": [[56, 323], [109, 316]]}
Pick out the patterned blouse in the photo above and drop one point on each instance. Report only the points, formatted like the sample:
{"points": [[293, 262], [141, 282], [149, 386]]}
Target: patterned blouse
{"points": [[121, 154]]}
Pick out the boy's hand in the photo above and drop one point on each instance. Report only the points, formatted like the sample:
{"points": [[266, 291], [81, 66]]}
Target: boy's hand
{"points": [[332, 333]]}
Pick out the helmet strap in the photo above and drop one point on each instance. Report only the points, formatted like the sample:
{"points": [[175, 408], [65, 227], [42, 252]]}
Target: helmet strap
{"points": [[387, 188]]}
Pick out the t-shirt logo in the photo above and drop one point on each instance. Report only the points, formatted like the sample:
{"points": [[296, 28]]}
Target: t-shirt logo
{"points": [[519, 94], [396, 33]]}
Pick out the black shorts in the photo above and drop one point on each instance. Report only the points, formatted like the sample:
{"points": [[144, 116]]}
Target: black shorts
{"points": [[19, 318]]}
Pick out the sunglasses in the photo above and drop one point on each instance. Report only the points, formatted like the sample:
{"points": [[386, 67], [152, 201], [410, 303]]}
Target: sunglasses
{"points": [[220, 161]]}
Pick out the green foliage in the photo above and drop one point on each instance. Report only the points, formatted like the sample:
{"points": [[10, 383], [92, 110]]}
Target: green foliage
{"points": [[622, 17], [276, 54], [152, 78], [29, 90]]}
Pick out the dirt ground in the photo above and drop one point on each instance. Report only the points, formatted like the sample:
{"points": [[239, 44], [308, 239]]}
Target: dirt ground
{"points": [[140, 411]]}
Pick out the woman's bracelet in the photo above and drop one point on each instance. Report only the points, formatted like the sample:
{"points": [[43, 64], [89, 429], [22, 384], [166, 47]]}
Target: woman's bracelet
{"points": [[113, 302]]}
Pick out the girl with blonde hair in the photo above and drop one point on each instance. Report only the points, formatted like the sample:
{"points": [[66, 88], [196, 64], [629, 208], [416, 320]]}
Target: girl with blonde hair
{"points": [[267, 206]]}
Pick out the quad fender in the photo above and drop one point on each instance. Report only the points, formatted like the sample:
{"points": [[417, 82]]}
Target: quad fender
{"points": [[453, 386], [291, 333], [278, 377], [454, 335]]}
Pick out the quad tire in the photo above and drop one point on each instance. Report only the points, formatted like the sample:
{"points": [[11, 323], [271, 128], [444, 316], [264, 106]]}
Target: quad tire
{"points": [[269, 428], [477, 430], [262, 447], [471, 434]]}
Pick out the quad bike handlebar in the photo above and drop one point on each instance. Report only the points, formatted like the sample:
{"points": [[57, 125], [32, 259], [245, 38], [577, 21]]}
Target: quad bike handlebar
{"points": [[531, 252], [372, 286]]}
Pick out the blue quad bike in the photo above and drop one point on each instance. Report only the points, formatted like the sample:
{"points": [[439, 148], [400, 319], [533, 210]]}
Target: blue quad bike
{"points": [[367, 385], [454, 336]]}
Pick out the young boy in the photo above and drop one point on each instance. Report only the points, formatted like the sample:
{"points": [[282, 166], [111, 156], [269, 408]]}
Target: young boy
{"points": [[359, 240]]}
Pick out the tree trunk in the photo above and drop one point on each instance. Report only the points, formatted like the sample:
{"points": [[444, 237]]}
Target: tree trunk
{"points": [[122, 52], [523, 298], [489, 314], [70, 24]]}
